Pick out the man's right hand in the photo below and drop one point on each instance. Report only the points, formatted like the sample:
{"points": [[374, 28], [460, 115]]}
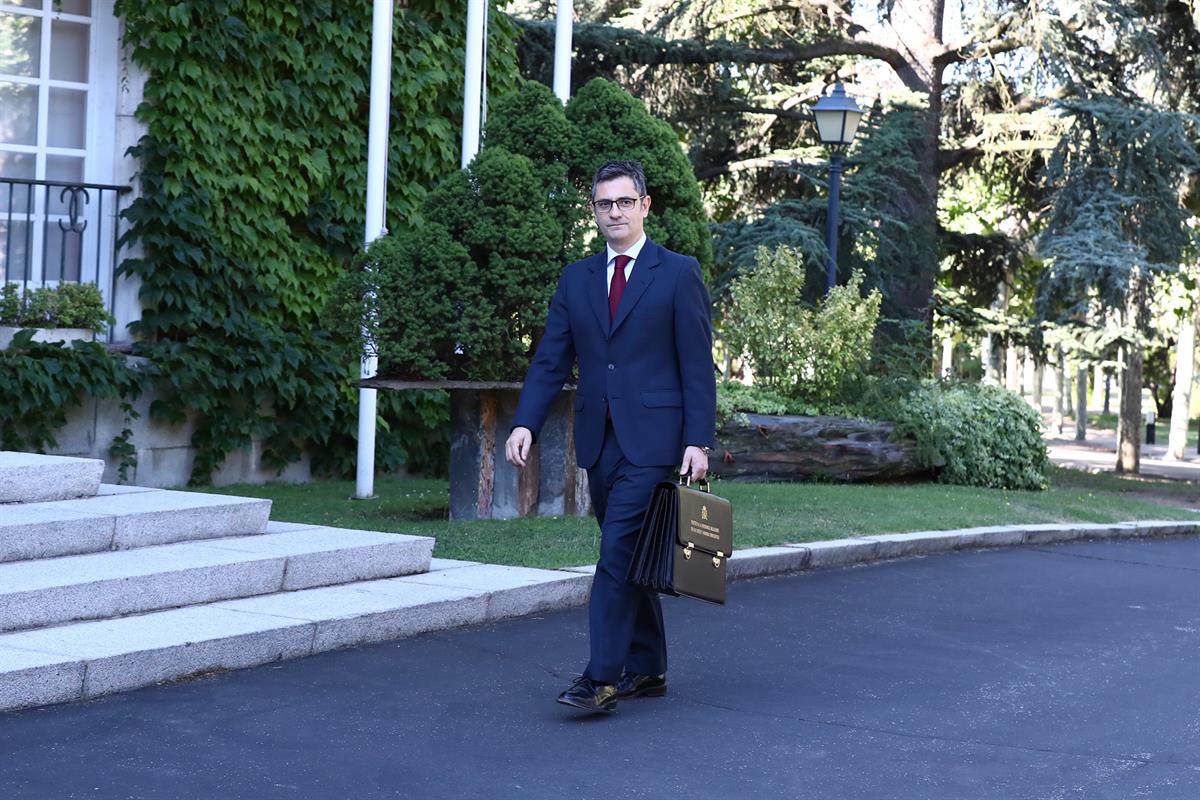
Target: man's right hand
{"points": [[516, 449]]}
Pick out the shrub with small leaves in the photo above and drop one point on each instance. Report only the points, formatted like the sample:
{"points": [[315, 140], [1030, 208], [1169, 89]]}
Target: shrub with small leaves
{"points": [[464, 294], [611, 123], [806, 354], [734, 397], [981, 435], [11, 307], [68, 305]]}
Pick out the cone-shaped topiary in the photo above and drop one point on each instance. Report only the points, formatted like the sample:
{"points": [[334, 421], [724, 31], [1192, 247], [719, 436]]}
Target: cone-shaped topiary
{"points": [[465, 294], [611, 123]]}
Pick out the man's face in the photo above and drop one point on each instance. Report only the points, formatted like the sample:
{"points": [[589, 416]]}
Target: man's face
{"points": [[621, 227]]}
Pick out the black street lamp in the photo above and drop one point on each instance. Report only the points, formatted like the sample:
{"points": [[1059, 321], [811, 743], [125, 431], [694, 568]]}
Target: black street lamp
{"points": [[837, 116]]}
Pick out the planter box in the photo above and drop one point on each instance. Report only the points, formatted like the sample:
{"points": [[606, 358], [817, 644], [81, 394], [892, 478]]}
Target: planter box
{"points": [[66, 335]]}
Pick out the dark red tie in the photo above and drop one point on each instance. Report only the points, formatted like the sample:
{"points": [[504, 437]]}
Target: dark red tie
{"points": [[618, 286]]}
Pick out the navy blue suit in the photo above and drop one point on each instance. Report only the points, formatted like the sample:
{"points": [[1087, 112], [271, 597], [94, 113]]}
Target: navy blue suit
{"points": [[646, 391]]}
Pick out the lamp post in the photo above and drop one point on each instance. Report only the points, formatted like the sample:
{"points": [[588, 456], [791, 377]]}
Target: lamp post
{"points": [[837, 116]]}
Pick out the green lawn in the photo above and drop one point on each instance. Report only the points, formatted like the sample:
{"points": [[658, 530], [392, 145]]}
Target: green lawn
{"points": [[764, 514]]}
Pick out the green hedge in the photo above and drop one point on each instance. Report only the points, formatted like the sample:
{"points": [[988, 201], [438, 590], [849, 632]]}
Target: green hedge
{"points": [[68, 305], [464, 294], [980, 435], [809, 354]]}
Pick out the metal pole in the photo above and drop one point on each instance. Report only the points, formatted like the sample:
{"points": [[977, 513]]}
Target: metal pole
{"points": [[473, 79], [831, 221], [377, 141], [562, 50]]}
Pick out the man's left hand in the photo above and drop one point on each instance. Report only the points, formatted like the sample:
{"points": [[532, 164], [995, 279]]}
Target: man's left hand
{"points": [[695, 463]]}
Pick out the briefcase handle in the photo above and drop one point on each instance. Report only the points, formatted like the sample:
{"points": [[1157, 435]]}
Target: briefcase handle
{"points": [[702, 485]]}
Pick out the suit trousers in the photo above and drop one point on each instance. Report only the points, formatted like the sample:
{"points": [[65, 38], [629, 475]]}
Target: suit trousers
{"points": [[625, 620]]}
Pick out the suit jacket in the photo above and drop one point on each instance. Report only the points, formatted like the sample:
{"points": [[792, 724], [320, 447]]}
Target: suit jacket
{"points": [[652, 365]]}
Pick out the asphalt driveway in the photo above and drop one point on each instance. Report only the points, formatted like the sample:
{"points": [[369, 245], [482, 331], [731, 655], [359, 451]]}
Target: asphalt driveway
{"points": [[1068, 671]]}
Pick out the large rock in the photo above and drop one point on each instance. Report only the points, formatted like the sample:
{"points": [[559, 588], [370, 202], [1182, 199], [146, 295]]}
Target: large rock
{"points": [[758, 447]]}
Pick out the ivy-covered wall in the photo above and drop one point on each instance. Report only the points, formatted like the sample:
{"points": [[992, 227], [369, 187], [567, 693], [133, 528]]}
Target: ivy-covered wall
{"points": [[252, 186]]}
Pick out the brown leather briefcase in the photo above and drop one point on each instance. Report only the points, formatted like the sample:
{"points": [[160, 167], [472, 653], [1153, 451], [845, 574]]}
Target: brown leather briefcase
{"points": [[685, 543]]}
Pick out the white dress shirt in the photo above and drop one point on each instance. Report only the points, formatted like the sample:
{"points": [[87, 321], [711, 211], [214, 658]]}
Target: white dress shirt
{"points": [[632, 252]]}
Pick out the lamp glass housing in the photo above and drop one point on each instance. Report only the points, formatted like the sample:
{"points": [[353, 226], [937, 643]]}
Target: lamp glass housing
{"points": [[838, 116]]}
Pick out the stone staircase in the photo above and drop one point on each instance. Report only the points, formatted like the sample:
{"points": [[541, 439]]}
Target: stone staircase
{"points": [[107, 588]]}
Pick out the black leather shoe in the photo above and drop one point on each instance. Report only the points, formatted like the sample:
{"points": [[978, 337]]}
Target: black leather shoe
{"points": [[633, 685], [588, 695]]}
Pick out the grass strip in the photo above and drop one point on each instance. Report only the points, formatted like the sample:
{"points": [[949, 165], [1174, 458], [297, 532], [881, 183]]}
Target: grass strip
{"points": [[764, 514]]}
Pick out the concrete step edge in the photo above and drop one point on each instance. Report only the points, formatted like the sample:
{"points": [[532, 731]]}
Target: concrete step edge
{"points": [[102, 585], [89, 659], [32, 477], [124, 521]]}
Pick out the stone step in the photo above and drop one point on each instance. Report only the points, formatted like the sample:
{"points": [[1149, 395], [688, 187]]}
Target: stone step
{"points": [[90, 659], [34, 478], [288, 556], [121, 518]]}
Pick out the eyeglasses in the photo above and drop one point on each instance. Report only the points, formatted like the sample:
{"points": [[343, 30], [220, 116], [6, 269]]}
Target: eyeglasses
{"points": [[623, 203]]}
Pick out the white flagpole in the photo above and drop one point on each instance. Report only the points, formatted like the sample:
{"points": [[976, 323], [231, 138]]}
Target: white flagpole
{"points": [[473, 79], [377, 147], [562, 49]]}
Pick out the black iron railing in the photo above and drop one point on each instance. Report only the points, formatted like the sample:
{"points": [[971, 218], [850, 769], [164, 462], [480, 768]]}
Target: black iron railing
{"points": [[59, 232]]}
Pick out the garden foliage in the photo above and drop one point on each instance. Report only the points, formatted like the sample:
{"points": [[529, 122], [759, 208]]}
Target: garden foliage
{"points": [[464, 294], [734, 397], [802, 352], [978, 435], [40, 382], [68, 305], [253, 175], [611, 123]]}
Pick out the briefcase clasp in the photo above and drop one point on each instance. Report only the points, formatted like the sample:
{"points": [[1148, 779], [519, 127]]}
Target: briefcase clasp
{"points": [[717, 559], [701, 485], [687, 551]]}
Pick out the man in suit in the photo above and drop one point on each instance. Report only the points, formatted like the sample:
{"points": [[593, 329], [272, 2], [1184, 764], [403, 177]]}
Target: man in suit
{"points": [[636, 319]]}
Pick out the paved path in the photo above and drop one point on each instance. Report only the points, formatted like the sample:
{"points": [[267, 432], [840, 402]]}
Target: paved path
{"points": [[1068, 671], [1098, 453]]}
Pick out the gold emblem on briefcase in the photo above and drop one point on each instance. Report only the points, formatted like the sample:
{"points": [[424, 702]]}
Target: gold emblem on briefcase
{"points": [[679, 521]]}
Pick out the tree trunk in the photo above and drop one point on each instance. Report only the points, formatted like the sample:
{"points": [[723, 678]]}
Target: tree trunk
{"points": [[1081, 379], [1012, 369], [1129, 430], [1027, 370], [947, 357], [1118, 378], [1060, 389], [760, 447], [1129, 425], [916, 29], [1185, 361], [1039, 377], [1067, 386], [990, 375]]}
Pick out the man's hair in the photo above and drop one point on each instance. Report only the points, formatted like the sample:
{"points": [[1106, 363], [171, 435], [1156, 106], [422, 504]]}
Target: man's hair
{"points": [[621, 169]]}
